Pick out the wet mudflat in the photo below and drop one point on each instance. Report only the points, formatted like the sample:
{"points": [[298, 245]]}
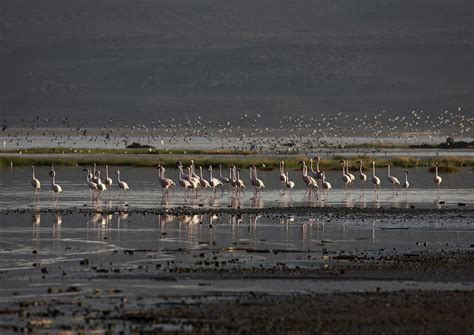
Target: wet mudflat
{"points": [[332, 270]]}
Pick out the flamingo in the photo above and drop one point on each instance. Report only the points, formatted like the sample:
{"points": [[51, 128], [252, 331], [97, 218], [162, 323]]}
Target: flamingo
{"points": [[122, 185], [35, 182], [406, 183], [166, 183], [326, 185], [288, 183], [214, 182], [193, 174], [233, 177], [437, 178], [351, 176], [375, 179], [240, 182], [94, 175], [204, 183], [392, 180], [222, 179], [108, 180], [316, 174], [92, 186], [193, 180], [183, 175], [308, 180], [346, 179], [182, 181], [100, 185], [55, 187], [257, 183], [283, 177], [362, 175]]}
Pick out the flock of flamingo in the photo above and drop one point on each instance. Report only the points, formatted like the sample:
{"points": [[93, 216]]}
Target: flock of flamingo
{"points": [[192, 183]]}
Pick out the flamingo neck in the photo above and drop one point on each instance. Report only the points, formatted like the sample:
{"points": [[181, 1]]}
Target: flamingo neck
{"points": [[373, 170], [317, 166], [406, 176], [388, 170], [34, 172], [436, 170]]}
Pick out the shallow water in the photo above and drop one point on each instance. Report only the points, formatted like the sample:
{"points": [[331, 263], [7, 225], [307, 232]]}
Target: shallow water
{"points": [[145, 191], [60, 242]]}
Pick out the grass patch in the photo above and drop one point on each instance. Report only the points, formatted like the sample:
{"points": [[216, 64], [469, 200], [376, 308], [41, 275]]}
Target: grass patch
{"points": [[447, 165]]}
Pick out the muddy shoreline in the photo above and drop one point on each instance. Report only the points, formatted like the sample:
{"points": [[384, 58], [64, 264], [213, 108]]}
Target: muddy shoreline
{"points": [[460, 211], [149, 274]]}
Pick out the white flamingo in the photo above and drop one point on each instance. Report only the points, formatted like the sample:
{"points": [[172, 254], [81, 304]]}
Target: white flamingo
{"points": [[224, 180], [310, 182], [406, 183], [392, 180], [233, 177], [183, 175], [193, 171], [326, 185], [122, 185], [257, 183], [437, 179], [108, 180], [362, 175], [166, 183], [214, 182], [186, 184], [346, 179], [92, 186], [100, 185], [316, 173], [55, 187], [204, 183], [35, 182], [283, 176], [288, 183], [194, 181], [240, 183], [351, 176], [375, 179], [94, 174]]}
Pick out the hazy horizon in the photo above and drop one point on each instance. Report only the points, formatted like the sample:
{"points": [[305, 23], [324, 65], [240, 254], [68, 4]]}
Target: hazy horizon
{"points": [[139, 60]]}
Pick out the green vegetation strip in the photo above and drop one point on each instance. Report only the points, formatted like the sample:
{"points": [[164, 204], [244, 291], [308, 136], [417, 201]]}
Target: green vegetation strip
{"points": [[447, 164]]}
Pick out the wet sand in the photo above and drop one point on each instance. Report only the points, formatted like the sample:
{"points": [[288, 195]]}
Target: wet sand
{"points": [[205, 270]]}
